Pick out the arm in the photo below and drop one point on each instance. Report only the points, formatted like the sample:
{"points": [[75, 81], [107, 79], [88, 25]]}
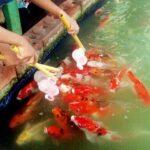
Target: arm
{"points": [[27, 53], [50, 7], [9, 37]]}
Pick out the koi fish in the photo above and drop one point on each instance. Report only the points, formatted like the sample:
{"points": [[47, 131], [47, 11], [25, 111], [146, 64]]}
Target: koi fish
{"points": [[141, 90], [103, 59], [65, 81], [83, 107], [32, 133], [29, 89], [27, 112], [58, 133], [101, 72], [98, 12], [62, 118], [88, 125], [85, 90], [93, 55], [74, 70], [70, 97], [104, 21], [115, 81], [82, 92]]}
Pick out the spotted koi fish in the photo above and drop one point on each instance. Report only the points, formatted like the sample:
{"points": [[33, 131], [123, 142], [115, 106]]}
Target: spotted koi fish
{"points": [[91, 126]]}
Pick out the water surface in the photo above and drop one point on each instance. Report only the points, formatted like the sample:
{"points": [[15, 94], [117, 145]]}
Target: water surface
{"points": [[126, 36]]}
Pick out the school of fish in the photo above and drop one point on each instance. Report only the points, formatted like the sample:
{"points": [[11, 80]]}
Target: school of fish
{"points": [[83, 88], [84, 94]]}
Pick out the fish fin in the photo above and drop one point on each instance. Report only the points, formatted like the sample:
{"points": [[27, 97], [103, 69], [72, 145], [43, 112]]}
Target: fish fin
{"points": [[40, 138], [91, 137], [28, 126]]}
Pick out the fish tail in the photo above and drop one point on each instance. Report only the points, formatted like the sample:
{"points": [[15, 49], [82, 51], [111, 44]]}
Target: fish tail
{"points": [[112, 136], [132, 77]]}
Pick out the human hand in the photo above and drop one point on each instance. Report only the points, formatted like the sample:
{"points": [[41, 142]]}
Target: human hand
{"points": [[10, 57], [27, 54], [74, 27]]}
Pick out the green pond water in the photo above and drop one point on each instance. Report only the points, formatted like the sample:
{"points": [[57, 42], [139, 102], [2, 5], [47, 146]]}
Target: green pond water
{"points": [[126, 37]]}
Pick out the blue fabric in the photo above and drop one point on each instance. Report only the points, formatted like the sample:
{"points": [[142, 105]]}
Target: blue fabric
{"points": [[23, 3], [2, 2]]}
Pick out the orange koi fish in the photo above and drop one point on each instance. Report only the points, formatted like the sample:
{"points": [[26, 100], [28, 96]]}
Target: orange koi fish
{"points": [[83, 107], [100, 72], [27, 112], [115, 82], [81, 93], [29, 89], [62, 118], [91, 126], [74, 70], [98, 12], [58, 133], [88, 108], [85, 90], [93, 55], [67, 81], [104, 21], [141, 90], [70, 97]]}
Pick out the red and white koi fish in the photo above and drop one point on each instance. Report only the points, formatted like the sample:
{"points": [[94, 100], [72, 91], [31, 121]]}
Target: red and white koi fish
{"points": [[115, 81], [27, 112], [58, 133], [141, 90], [26, 91], [91, 126]]}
